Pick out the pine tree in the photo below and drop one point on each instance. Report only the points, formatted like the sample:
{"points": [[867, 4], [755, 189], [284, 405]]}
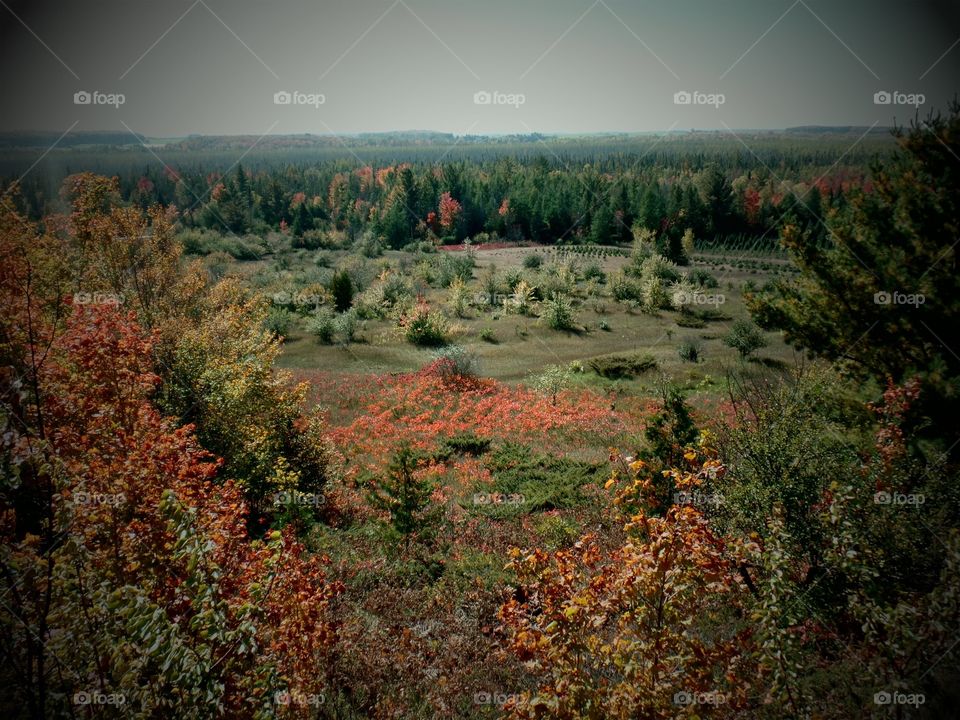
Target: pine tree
{"points": [[880, 292], [405, 497]]}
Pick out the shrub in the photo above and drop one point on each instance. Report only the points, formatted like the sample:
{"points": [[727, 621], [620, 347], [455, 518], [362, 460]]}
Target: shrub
{"points": [[593, 271], [704, 279], [521, 301], [456, 361], [459, 299], [487, 335], [278, 321], [450, 266], [623, 290], [689, 320], [322, 325], [690, 350], [621, 365], [467, 444], [341, 287], [545, 482], [745, 338], [532, 261], [346, 325], [424, 327], [368, 245], [558, 313]]}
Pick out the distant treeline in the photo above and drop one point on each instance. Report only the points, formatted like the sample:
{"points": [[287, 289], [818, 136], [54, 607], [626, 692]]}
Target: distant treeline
{"points": [[583, 189]]}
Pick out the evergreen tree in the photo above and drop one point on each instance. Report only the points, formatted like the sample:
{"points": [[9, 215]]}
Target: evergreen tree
{"points": [[880, 292], [405, 497], [341, 287]]}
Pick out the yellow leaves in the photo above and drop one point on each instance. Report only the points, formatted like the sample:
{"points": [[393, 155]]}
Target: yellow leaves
{"points": [[571, 612], [637, 465], [609, 483], [690, 456]]}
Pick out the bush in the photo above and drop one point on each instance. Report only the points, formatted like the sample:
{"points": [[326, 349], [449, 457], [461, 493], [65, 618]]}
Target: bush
{"points": [[558, 313], [368, 245], [456, 361], [689, 320], [690, 350], [467, 444], [487, 335], [423, 327], [341, 287], [745, 338], [545, 482], [532, 261], [346, 325], [621, 365], [704, 279], [593, 271], [278, 321], [450, 266], [322, 325]]}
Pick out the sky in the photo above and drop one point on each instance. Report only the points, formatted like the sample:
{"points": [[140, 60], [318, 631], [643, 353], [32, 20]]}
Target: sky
{"points": [[168, 68]]}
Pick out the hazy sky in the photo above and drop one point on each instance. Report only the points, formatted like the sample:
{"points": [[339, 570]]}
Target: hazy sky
{"points": [[213, 66]]}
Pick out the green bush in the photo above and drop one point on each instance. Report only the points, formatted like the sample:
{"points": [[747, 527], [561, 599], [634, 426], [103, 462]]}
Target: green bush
{"points": [[745, 338], [558, 313], [593, 271], [689, 320], [278, 321], [621, 365], [467, 444], [702, 278], [341, 287], [424, 327], [457, 361], [322, 325], [487, 335], [532, 261], [346, 325], [545, 482], [690, 350]]}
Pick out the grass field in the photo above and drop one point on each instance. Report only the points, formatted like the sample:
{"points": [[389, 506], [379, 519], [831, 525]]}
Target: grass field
{"points": [[522, 346]]}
